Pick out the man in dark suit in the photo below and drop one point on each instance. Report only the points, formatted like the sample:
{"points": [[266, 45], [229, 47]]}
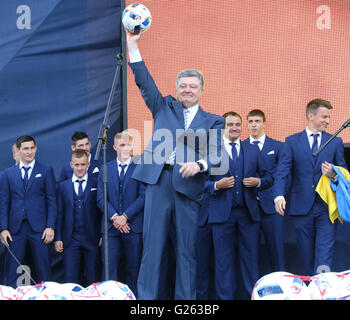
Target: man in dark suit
{"points": [[314, 231], [78, 221], [28, 211], [234, 206], [80, 140], [125, 212], [173, 169], [271, 222]]}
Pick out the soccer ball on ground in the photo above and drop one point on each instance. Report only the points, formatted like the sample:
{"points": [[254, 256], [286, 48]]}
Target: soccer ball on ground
{"points": [[136, 17], [280, 286]]}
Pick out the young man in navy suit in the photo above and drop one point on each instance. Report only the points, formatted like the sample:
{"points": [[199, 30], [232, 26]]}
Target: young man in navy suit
{"points": [[233, 205], [125, 212], [271, 222], [28, 211], [314, 230], [79, 221], [185, 145], [80, 140]]}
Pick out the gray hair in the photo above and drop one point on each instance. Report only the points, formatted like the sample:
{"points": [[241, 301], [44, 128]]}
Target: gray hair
{"points": [[190, 73]]}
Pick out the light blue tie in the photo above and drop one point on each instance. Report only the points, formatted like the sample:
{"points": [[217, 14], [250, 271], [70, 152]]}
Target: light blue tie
{"points": [[186, 125]]}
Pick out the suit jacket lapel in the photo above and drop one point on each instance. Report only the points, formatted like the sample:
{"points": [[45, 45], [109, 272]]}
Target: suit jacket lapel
{"points": [[128, 175], [115, 176], [18, 176], [178, 108], [304, 143], [324, 138], [69, 188], [35, 171], [87, 189], [198, 119]]}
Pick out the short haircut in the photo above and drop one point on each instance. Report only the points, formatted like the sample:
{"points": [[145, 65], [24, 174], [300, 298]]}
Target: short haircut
{"points": [[78, 135], [22, 139], [256, 113], [79, 153], [190, 73], [125, 135], [314, 104], [233, 114]]}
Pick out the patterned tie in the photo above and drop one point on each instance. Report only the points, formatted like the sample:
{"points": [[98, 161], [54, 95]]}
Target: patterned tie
{"points": [[234, 152], [25, 178], [80, 188], [314, 144], [186, 114], [186, 125], [122, 174]]}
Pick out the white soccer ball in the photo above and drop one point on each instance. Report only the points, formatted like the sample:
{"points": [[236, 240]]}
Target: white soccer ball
{"points": [[7, 293], [105, 290], [280, 286], [136, 17], [344, 286], [324, 286]]}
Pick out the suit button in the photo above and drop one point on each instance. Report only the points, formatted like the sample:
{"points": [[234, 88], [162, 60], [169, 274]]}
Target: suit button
{"points": [[313, 186]]}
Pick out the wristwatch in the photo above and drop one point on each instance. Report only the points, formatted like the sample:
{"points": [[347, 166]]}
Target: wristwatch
{"points": [[201, 166]]}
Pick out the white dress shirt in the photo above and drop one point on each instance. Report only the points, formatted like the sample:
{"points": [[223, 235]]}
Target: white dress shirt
{"points": [[261, 140], [76, 185], [127, 162], [31, 165], [311, 138]]}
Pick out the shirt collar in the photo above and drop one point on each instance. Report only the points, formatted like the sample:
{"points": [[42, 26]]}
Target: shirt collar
{"points": [[227, 142], [127, 162], [75, 178], [31, 165], [193, 110], [309, 132], [261, 139]]}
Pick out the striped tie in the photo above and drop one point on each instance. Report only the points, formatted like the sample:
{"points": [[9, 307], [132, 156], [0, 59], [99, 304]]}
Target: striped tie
{"points": [[186, 125]]}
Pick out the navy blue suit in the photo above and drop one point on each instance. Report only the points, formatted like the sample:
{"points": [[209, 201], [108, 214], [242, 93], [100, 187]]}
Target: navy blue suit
{"points": [[67, 170], [128, 199], [315, 233], [169, 197], [204, 245], [26, 213], [80, 230], [271, 221], [238, 206]]}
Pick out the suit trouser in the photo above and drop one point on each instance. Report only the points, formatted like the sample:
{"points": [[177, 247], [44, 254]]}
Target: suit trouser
{"points": [[315, 238], [163, 206], [72, 260], [204, 261], [272, 226], [40, 253], [128, 246], [224, 252]]}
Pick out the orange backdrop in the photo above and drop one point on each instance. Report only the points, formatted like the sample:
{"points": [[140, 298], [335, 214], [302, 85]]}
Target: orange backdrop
{"points": [[275, 55]]}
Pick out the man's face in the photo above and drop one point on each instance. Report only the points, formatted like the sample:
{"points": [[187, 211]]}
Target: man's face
{"points": [[233, 128], [83, 144], [80, 166], [123, 147], [189, 91], [27, 152], [256, 126], [320, 120]]}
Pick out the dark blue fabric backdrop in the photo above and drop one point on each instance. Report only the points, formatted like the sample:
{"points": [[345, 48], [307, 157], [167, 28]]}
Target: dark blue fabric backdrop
{"points": [[57, 62]]}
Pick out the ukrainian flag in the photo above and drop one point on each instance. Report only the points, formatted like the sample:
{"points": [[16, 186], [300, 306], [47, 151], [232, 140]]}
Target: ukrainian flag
{"points": [[336, 195]]}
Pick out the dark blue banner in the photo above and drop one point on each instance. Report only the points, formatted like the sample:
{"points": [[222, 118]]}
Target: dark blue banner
{"points": [[57, 62]]}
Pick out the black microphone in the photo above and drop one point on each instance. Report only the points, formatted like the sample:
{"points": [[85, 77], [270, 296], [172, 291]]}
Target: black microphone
{"points": [[346, 124]]}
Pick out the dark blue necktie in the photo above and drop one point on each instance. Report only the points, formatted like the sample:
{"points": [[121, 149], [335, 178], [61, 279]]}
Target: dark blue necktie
{"points": [[234, 152], [314, 144], [80, 188], [122, 173], [256, 142], [25, 178]]}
